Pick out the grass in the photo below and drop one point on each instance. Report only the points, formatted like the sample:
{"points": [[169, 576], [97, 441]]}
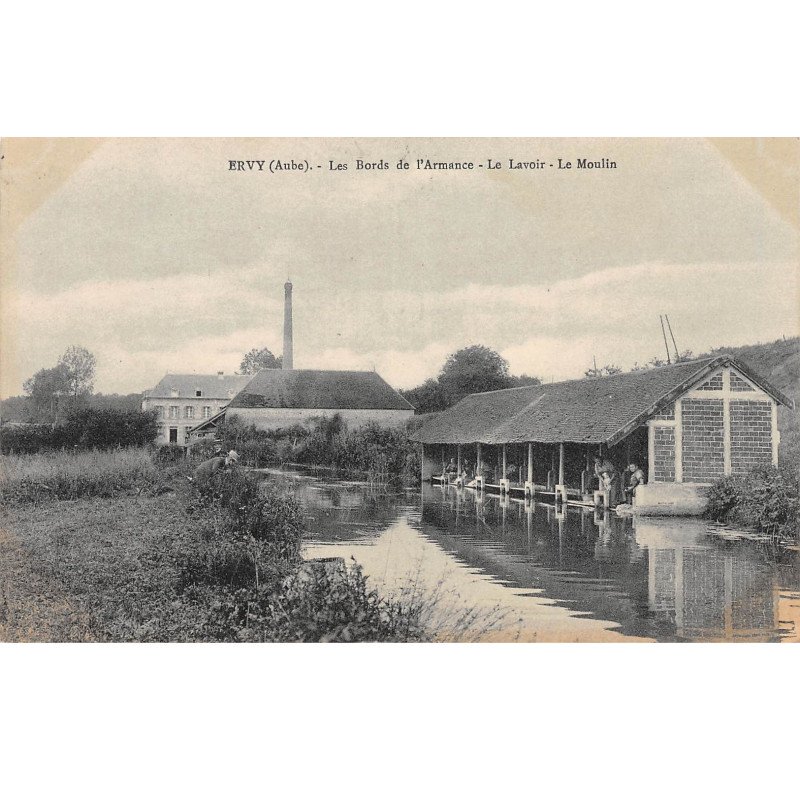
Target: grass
{"points": [[117, 561], [90, 552], [65, 475]]}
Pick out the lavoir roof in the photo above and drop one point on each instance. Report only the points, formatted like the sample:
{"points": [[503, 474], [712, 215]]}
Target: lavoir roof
{"points": [[591, 410]]}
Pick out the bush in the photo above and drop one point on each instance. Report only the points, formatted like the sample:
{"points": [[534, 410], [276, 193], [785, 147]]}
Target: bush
{"points": [[26, 438], [765, 499], [246, 571], [84, 429], [320, 607], [246, 508], [169, 454]]}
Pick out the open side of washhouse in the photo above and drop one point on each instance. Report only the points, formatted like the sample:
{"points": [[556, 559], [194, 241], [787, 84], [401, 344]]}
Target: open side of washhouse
{"points": [[684, 425]]}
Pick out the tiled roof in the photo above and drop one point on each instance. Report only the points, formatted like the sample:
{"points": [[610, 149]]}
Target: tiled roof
{"points": [[322, 389], [213, 386], [591, 410]]}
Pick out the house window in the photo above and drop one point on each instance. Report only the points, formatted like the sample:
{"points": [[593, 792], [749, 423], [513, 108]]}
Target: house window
{"points": [[188, 412], [198, 392], [159, 411], [173, 412], [206, 412]]}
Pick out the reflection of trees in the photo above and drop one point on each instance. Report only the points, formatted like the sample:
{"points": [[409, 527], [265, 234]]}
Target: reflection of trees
{"points": [[337, 512]]}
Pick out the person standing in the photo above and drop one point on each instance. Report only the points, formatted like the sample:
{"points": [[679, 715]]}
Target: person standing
{"points": [[609, 478]]}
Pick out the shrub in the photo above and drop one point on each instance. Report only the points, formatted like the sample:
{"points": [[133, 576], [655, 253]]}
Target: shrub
{"points": [[766, 499], [84, 429], [316, 607], [26, 438], [169, 454], [247, 508]]}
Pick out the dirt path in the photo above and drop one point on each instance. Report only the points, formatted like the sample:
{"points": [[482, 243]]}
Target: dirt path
{"points": [[31, 609]]}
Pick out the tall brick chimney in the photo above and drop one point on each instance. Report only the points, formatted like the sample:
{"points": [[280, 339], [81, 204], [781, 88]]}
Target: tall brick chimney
{"points": [[287, 326]]}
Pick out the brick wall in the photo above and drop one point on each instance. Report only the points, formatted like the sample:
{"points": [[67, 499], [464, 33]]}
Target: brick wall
{"points": [[664, 461], [703, 447], [713, 384], [667, 412], [739, 385], [751, 435]]}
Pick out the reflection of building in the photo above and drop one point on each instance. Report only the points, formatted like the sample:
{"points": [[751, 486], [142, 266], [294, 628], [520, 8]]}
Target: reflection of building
{"points": [[185, 401], [712, 595]]}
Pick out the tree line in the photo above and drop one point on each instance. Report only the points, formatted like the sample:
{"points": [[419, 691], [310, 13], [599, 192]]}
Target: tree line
{"points": [[472, 369]]}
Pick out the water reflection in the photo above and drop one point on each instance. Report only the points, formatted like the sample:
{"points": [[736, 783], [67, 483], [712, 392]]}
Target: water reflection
{"points": [[562, 575]]}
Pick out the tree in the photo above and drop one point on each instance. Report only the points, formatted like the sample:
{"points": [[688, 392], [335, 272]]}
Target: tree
{"points": [[598, 372], [79, 365], [656, 361], [430, 396], [46, 390], [473, 369], [256, 360], [523, 380]]}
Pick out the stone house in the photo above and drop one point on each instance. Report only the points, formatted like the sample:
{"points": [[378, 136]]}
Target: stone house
{"points": [[183, 401]]}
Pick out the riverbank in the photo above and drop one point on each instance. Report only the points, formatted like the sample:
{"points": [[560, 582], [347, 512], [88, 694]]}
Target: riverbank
{"points": [[766, 500], [371, 452], [151, 557]]}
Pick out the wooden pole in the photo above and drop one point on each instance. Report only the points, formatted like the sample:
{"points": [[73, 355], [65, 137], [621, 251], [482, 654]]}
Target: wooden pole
{"points": [[672, 335], [561, 464], [459, 461], [504, 462], [478, 461], [664, 334], [530, 462]]}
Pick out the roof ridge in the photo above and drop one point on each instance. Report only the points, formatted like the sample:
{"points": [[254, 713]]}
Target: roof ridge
{"points": [[604, 377]]}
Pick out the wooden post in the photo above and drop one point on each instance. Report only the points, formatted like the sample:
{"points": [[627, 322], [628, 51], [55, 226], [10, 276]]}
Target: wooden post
{"points": [[561, 464], [504, 462], [478, 460], [530, 462], [459, 461]]}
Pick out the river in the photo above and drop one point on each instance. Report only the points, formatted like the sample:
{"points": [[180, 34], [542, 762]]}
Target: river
{"points": [[497, 569]]}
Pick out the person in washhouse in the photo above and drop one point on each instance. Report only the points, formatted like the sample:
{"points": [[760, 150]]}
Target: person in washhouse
{"points": [[636, 478], [609, 478]]}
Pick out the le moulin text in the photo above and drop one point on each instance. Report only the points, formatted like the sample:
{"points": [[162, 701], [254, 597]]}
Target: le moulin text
{"points": [[362, 165]]}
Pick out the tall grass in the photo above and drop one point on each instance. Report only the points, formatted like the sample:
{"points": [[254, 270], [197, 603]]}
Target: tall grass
{"points": [[66, 475]]}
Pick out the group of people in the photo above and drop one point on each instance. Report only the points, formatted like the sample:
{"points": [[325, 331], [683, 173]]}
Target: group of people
{"points": [[611, 480], [608, 475]]}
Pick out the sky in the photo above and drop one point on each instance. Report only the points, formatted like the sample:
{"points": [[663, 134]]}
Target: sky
{"points": [[157, 257]]}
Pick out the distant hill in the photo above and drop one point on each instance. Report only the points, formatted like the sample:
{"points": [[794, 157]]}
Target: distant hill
{"points": [[778, 362]]}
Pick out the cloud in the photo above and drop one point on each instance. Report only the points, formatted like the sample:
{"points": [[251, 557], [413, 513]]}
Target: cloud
{"points": [[205, 322]]}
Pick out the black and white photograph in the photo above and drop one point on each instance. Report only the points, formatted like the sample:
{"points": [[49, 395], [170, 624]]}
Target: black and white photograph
{"points": [[400, 390]]}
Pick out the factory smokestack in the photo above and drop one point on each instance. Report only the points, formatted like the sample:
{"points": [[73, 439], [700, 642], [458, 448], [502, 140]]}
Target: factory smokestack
{"points": [[287, 327]]}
